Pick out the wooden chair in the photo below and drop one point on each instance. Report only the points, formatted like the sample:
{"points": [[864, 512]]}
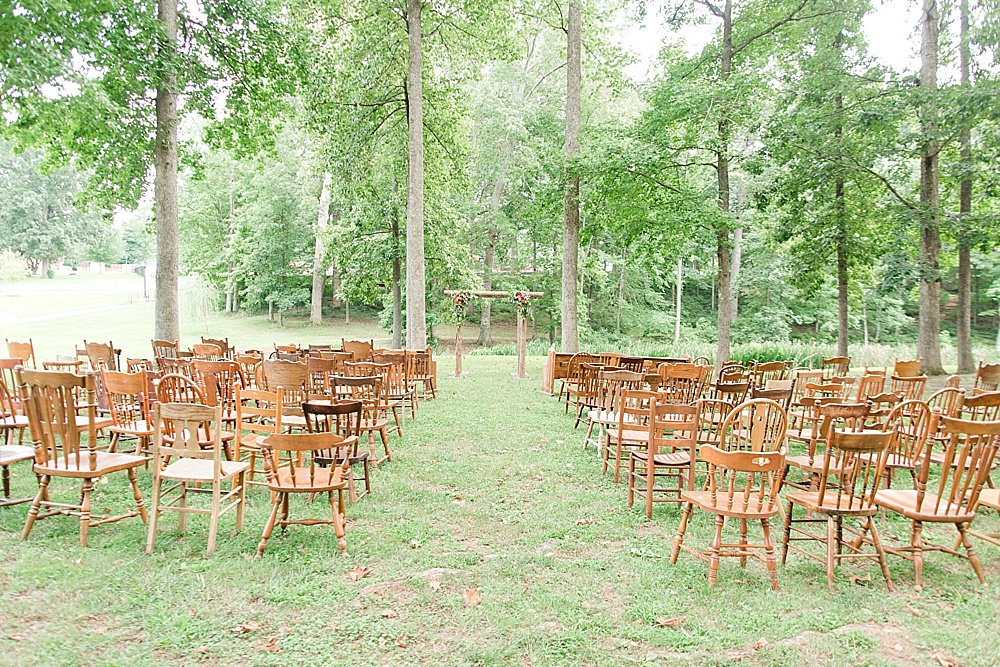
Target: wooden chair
{"points": [[387, 403], [828, 416], [168, 349], [175, 365], [909, 388], [907, 367], [367, 390], [760, 373], [103, 354], [780, 391], [259, 414], [50, 398], [741, 485], [293, 378], [136, 364], [757, 425], [26, 352], [320, 371], [361, 349], [981, 407], [63, 362], [733, 393], [853, 465], [611, 382], [634, 364], [583, 392], [225, 377], [683, 383], [879, 407], [287, 477], [10, 421], [987, 376], [632, 430], [669, 456], [227, 350], [344, 419], [909, 424], [178, 388], [420, 371], [248, 367], [572, 374], [401, 387], [129, 401], [733, 371], [835, 367], [869, 385], [193, 464], [953, 498]]}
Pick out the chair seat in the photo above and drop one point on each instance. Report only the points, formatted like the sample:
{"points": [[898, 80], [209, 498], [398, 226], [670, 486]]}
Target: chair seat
{"points": [[14, 421], [892, 461], [607, 417], [672, 460], [755, 509], [106, 464], [99, 422], [14, 453], [990, 498], [630, 435], [323, 479], [293, 421], [802, 463], [201, 470], [904, 501], [372, 424], [800, 434], [833, 503], [938, 459], [139, 429]]}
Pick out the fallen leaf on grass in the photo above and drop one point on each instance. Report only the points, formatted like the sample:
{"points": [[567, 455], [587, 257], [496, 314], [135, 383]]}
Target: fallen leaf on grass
{"points": [[271, 646], [759, 644], [584, 522], [249, 626], [942, 660], [472, 597], [861, 581], [674, 622], [202, 649], [401, 641], [389, 613], [359, 572], [913, 610], [16, 637], [435, 585]]}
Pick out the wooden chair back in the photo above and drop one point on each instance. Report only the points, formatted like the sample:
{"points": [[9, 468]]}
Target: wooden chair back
{"points": [[744, 482], [683, 383], [911, 388], [128, 398], [612, 382], [633, 409], [418, 364], [987, 376], [177, 388], [757, 425], [225, 377], [223, 343], [830, 416], [907, 367], [26, 352], [909, 422], [634, 364], [398, 376], [175, 365], [248, 366], [51, 400], [102, 354], [712, 414], [367, 389], [588, 386], [573, 371], [184, 429], [165, 348], [672, 427], [291, 376], [970, 447], [869, 385], [135, 364], [948, 401], [341, 418], [771, 370], [853, 465], [835, 367], [803, 378], [361, 349], [320, 372], [259, 411], [7, 367], [732, 393], [207, 351], [304, 458], [982, 407], [733, 372]]}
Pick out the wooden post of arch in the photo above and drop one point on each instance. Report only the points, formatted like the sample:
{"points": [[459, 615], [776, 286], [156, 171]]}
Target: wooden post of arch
{"points": [[522, 330]]}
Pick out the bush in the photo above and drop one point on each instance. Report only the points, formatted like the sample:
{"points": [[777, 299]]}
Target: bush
{"points": [[13, 268]]}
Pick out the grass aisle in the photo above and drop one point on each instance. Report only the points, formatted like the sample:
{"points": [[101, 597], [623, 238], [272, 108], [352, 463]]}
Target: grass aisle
{"points": [[490, 497]]}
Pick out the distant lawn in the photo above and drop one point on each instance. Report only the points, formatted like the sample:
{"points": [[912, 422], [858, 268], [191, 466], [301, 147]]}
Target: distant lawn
{"points": [[490, 490]]}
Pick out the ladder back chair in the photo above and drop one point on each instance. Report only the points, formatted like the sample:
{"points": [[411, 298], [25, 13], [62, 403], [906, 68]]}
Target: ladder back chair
{"points": [[386, 403], [129, 400], [683, 383], [611, 383], [50, 399], [666, 466], [632, 430], [181, 459], [259, 414]]}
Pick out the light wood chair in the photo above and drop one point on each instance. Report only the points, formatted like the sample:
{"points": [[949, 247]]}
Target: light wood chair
{"points": [[853, 465], [907, 367], [909, 388], [632, 430], [227, 351], [611, 383], [420, 371], [953, 498], [129, 403], [293, 378], [909, 423], [183, 460], [103, 355], [11, 420], [23, 351], [259, 414], [828, 415], [167, 349], [174, 365], [987, 377], [662, 471], [288, 476], [401, 387], [683, 384], [361, 349], [760, 373], [869, 385], [835, 367], [207, 351], [387, 404], [50, 400]]}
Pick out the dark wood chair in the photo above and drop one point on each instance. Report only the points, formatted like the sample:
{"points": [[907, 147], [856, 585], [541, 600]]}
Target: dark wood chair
{"points": [[344, 419]]}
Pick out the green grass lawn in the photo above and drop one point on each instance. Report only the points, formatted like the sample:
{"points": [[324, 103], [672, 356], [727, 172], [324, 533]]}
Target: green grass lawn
{"points": [[490, 490]]}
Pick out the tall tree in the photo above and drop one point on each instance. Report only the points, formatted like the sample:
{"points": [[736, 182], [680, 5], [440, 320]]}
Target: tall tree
{"points": [[416, 305], [571, 201], [963, 329], [167, 311], [319, 254]]}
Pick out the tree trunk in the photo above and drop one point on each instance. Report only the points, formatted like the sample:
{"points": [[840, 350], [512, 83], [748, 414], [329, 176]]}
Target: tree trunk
{"points": [[397, 296], [842, 284], [485, 324], [319, 270], [167, 315], [736, 263], [677, 315], [929, 335], [571, 199], [335, 299], [966, 362], [416, 313], [722, 250]]}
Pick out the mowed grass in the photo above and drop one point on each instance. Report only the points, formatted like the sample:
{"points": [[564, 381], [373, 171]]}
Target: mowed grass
{"points": [[490, 490]]}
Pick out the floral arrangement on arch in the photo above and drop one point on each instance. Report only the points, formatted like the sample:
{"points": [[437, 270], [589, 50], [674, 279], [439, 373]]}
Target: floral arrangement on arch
{"points": [[459, 304], [522, 301]]}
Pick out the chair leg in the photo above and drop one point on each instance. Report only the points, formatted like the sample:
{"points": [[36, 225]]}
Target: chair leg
{"points": [[788, 534], [241, 479], [743, 541], [772, 564], [973, 558], [916, 541], [137, 495], [182, 502], [269, 526], [213, 518], [882, 561], [338, 524], [650, 483], [831, 550], [85, 511], [713, 564], [154, 517], [631, 479], [681, 529], [43, 484], [6, 482]]}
